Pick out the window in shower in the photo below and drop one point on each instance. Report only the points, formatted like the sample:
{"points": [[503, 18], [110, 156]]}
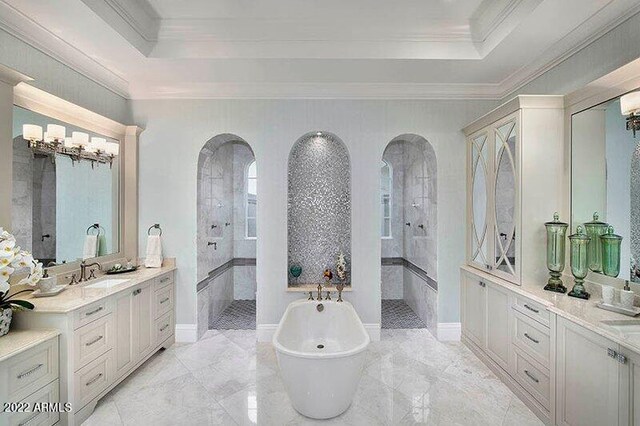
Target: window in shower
{"points": [[251, 200], [386, 189]]}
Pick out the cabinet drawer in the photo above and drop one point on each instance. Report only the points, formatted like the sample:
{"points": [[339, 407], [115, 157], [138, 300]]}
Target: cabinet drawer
{"points": [[91, 312], [532, 309], [532, 338], [47, 395], [162, 301], [535, 379], [29, 370], [163, 328], [92, 340], [92, 379], [164, 280]]}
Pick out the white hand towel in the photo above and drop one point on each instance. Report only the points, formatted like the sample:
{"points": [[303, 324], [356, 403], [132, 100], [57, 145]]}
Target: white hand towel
{"points": [[154, 252], [90, 249]]}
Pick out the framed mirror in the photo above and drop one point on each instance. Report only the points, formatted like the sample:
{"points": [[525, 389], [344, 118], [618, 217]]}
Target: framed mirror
{"points": [[65, 207], [605, 181]]}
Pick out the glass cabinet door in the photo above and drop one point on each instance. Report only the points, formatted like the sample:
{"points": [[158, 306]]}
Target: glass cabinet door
{"points": [[505, 193], [479, 244]]}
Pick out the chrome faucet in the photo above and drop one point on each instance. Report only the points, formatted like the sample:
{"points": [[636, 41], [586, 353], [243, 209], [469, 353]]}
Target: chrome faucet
{"points": [[83, 270]]}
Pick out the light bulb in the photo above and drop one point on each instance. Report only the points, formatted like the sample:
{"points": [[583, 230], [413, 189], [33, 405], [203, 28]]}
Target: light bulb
{"points": [[31, 132], [56, 132], [80, 139]]}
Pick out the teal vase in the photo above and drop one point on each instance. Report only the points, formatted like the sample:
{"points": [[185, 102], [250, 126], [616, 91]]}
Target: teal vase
{"points": [[579, 262], [611, 253]]}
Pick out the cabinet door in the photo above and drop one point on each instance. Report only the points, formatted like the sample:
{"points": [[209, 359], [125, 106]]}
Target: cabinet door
{"points": [[479, 238], [588, 377], [124, 325], [498, 323], [474, 309], [629, 388], [142, 321], [505, 208]]}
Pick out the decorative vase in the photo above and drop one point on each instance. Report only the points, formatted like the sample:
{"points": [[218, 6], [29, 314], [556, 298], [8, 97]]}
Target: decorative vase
{"points": [[5, 320], [556, 234], [595, 229], [295, 270], [579, 262], [611, 253]]}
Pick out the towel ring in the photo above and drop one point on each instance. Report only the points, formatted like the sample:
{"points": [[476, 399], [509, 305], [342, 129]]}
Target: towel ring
{"points": [[97, 227], [154, 226]]}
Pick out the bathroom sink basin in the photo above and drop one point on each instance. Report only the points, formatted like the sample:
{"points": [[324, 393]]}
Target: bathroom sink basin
{"points": [[627, 328], [106, 283]]}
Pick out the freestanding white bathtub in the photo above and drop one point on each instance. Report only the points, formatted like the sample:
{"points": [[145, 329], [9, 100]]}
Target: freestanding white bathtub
{"points": [[321, 355]]}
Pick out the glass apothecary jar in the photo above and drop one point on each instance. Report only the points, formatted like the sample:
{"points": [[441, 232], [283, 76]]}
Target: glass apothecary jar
{"points": [[556, 237], [611, 253], [579, 262], [595, 229]]}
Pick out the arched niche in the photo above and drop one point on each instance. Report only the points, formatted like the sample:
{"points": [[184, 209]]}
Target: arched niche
{"points": [[319, 208]]}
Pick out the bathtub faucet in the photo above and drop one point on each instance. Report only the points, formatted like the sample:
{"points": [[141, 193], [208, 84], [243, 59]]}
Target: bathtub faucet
{"points": [[340, 287], [319, 292], [310, 296], [328, 295]]}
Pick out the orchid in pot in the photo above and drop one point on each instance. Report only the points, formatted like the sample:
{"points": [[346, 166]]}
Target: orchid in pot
{"points": [[15, 263]]}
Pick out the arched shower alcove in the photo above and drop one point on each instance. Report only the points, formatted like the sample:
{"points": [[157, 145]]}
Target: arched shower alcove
{"points": [[226, 234], [408, 228], [319, 209]]}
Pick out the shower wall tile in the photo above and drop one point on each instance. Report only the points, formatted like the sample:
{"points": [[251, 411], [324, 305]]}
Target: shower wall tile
{"points": [[220, 294], [204, 301], [421, 298], [22, 197], [392, 282], [244, 282]]}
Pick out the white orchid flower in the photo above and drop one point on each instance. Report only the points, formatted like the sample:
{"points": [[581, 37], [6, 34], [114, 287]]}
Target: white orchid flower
{"points": [[23, 260], [6, 248], [4, 287], [5, 273]]}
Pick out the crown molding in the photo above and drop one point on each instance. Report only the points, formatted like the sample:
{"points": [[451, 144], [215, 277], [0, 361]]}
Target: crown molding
{"points": [[491, 14], [136, 21], [27, 30]]}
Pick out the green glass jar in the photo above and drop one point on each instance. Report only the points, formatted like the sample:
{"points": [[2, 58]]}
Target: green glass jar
{"points": [[611, 252], [556, 237], [579, 262], [594, 230]]}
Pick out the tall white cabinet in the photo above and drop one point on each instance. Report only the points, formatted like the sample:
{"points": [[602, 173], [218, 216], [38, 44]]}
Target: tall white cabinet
{"points": [[515, 160]]}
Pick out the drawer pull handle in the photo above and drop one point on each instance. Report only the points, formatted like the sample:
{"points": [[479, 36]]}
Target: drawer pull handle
{"points": [[96, 340], [531, 376], [531, 309], [164, 300], [95, 311], [29, 420], [95, 379], [482, 284], [164, 280], [28, 372], [137, 291], [164, 327], [531, 338]]}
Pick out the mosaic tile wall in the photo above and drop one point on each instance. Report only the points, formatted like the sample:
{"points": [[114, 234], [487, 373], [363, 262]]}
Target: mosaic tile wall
{"points": [[319, 205]]}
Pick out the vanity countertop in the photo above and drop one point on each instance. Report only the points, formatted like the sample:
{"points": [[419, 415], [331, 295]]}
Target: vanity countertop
{"points": [[579, 311], [20, 340], [78, 295]]}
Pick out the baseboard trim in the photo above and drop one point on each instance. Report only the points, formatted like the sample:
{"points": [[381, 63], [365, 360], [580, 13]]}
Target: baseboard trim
{"points": [[449, 331], [373, 330], [265, 332], [186, 333]]}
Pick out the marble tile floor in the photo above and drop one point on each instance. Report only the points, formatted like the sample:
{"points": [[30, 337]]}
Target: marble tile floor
{"points": [[227, 378]]}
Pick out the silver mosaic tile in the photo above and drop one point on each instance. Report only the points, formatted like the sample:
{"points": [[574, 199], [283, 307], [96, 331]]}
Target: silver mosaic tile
{"points": [[319, 206]]}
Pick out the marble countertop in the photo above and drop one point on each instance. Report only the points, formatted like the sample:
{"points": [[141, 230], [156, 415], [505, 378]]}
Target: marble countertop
{"points": [[20, 340], [78, 295], [579, 311]]}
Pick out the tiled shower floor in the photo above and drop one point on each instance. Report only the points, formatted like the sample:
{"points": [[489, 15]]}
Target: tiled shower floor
{"points": [[240, 315], [396, 314]]}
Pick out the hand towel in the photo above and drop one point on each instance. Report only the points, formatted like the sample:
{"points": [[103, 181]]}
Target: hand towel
{"points": [[154, 252], [90, 249]]}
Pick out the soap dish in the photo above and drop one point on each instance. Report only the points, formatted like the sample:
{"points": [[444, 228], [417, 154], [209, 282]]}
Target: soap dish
{"points": [[632, 312], [56, 290]]}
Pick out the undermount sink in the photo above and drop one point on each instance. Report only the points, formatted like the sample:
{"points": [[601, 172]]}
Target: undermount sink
{"points": [[627, 328], [106, 283]]}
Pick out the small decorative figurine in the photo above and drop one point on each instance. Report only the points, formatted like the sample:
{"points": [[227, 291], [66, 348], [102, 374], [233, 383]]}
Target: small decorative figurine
{"points": [[595, 229], [611, 253], [556, 234], [327, 275], [341, 267], [579, 262]]}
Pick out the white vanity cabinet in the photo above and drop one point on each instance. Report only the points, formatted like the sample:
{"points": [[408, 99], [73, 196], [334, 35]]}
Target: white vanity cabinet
{"points": [[514, 176], [104, 341]]}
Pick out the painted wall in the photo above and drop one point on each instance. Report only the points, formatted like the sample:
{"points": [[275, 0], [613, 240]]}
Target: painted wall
{"points": [[176, 131]]}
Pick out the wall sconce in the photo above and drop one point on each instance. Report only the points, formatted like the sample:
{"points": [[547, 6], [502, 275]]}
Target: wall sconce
{"points": [[630, 106]]}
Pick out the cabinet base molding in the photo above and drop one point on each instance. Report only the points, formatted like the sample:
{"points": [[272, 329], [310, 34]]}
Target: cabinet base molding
{"points": [[515, 387], [449, 331]]}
